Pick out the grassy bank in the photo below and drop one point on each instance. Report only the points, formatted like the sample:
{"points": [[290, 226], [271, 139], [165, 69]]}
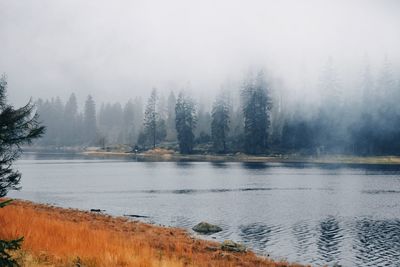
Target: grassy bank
{"points": [[67, 237], [166, 155]]}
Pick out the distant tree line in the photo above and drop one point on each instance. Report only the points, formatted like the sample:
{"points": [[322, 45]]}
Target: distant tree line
{"points": [[365, 124], [253, 118]]}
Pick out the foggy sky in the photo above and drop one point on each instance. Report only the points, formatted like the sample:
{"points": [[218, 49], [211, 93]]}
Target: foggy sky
{"points": [[116, 50]]}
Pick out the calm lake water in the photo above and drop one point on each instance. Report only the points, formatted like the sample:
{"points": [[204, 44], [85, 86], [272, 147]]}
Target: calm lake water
{"points": [[315, 214]]}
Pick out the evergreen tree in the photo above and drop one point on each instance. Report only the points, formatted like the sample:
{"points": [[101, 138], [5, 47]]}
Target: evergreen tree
{"points": [[90, 124], [162, 115], [111, 122], [150, 118], [386, 129], [297, 135], [162, 107], [362, 130], [367, 87], [129, 125], [52, 115], [70, 121], [17, 127], [331, 89], [161, 132], [386, 93], [331, 114], [256, 113], [185, 122], [137, 117], [170, 123], [154, 125], [203, 124], [220, 123]]}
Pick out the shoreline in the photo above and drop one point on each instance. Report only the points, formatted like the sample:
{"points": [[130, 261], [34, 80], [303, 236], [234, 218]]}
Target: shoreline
{"points": [[173, 157], [55, 236]]}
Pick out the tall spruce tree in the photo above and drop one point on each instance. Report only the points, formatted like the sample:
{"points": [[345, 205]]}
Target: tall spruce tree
{"points": [[150, 118], [90, 124], [203, 123], [154, 125], [331, 114], [137, 117], [170, 123], [51, 114], [17, 127], [220, 123], [256, 112], [70, 121], [129, 125], [185, 121], [362, 131]]}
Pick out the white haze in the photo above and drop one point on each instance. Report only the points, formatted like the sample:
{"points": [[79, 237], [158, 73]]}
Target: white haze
{"points": [[117, 50]]}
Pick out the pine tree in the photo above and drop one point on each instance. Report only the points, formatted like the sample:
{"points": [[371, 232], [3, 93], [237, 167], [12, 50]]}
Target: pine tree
{"points": [[220, 123], [386, 130], [256, 113], [170, 123], [137, 117], [17, 127], [154, 125], [70, 121], [129, 126], [331, 114], [52, 115], [161, 132], [330, 86], [90, 124], [362, 134], [185, 122], [203, 124], [150, 118]]}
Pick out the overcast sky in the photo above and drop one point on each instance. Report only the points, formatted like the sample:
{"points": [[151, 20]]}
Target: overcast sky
{"points": [[115, 50]]}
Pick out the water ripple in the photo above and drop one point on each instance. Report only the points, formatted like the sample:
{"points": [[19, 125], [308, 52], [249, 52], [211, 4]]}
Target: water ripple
{"points": [[205, 191], [258, 234], [374, 192], [303, 235], [377, 242], [329, 239]]}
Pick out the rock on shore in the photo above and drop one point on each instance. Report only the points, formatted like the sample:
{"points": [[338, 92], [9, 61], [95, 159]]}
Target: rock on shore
{"points": [[229, 245]]}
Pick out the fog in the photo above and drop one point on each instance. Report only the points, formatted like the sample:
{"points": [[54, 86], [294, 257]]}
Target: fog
{"points": [[301, 94], [116, 50]]}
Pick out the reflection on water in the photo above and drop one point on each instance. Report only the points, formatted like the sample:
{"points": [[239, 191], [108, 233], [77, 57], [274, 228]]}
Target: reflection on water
{"points": [[310, 213], [328, 242], [381, 191], [184, 164], [378, 242], [256, 234], [254, 165], [207, 191], [302, 234], [219, 164]]}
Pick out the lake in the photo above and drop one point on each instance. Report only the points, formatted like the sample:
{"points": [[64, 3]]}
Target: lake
{"points": [[306, 213]]}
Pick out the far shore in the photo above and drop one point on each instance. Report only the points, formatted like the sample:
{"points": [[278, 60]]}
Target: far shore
{"points": [[68, 237], [326, 159]]}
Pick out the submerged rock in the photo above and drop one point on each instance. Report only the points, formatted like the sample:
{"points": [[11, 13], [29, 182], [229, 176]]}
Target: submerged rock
{"points": [[229, 245], [96, 210], [136, 216], [206, 228]]}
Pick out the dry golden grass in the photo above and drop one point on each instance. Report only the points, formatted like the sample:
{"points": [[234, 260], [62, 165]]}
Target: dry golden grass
{"points": [[67, 237]]}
